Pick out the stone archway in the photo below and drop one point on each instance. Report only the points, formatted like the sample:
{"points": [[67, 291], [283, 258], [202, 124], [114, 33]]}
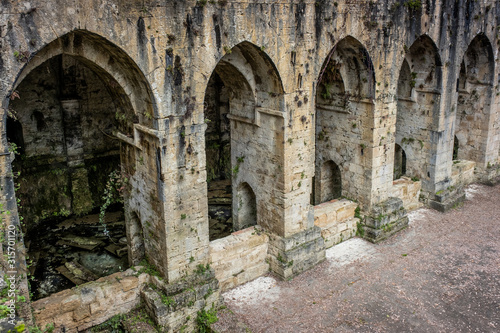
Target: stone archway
{"points": [[80, 115], [344, 108], [475, 89], [243, 103], [419, 93]]}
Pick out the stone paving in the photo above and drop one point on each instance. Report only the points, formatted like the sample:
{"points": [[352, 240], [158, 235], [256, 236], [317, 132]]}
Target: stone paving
{"points": [[441, 274]]}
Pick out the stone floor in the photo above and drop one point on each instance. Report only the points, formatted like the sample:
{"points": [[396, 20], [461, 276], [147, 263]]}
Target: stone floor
{"points": [[441, 274]]}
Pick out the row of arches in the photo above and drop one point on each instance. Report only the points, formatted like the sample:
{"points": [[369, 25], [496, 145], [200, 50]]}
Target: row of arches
{"points": [[82, 119]]}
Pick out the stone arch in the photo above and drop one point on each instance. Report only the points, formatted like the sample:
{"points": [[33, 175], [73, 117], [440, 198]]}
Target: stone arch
{"points": [[344, 108], [419, 95], [346, 74], [405, 81], [123, 91], [399, 162], [329, 182], [245, 214], [425, 64], [474, 100], [244, 107], [108, 61]]}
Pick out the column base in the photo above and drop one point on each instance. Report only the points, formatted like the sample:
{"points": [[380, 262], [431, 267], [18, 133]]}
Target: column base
{"points": [[290, 256], [175, 307], [386, 219], [447, 199]]}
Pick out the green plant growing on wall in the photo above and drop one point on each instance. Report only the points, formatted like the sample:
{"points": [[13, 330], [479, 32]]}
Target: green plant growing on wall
{"points": [[413, 79], [413, 5], [113, 193], [205, 319], [227, 49]]}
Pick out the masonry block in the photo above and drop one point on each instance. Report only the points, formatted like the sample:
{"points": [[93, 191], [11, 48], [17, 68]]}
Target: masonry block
{"points": [[384, 220], [289, 256]]}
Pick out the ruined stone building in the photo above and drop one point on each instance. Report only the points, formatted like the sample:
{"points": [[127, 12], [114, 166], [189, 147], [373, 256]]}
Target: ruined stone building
{"points": [[244, 137]]}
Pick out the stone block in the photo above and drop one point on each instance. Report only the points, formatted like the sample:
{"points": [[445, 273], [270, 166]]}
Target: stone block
{"points": [[81, 313], [128, 283]]}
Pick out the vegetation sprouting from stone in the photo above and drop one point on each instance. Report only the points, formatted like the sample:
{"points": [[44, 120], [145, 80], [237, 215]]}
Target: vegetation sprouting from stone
{"points": [[113, 193]]}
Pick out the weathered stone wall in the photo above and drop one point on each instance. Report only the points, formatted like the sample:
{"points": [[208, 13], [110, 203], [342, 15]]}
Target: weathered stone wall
{"points": [[240, 257], [336, 220], [408, 191], [160, 55], [83, 307]]}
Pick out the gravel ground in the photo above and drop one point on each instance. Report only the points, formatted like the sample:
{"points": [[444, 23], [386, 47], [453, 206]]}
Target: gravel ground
{"points": [[441, 274]]}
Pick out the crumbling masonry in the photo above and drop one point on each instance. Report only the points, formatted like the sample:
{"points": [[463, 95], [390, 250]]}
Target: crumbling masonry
{"points": [[248, 136]]}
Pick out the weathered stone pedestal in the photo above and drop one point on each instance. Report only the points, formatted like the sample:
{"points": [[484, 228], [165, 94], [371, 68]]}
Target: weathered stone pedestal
{"points": [[386, 219], [175, 306], [449, 198], [490, 176], [292, 255]]}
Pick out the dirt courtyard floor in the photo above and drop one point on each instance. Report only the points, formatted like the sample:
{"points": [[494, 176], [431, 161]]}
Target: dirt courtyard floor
{"points": [[441, 274]]}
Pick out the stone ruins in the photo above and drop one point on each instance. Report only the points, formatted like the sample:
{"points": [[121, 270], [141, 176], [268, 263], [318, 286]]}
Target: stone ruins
{"points": [[157, 152]]}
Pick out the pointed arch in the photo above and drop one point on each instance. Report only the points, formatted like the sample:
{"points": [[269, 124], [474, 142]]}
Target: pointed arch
{"points": [[474, 103], [244, 103], [112, 64], [425, 64], [348, 70]]}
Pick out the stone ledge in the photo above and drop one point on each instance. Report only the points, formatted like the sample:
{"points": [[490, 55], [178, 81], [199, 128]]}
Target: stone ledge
{"points": [[239, 257], [92, 303]]}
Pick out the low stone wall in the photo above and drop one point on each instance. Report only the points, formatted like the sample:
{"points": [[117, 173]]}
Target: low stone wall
{"points": [[408, 191], [92, 303], [462, 172], [239, 257], [336, 220]]}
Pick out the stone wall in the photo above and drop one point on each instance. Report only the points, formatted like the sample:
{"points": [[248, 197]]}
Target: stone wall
{"points": [[88, 305], [463, 172], [157, 58], [240, 257], [408, 191], [336, 220]]}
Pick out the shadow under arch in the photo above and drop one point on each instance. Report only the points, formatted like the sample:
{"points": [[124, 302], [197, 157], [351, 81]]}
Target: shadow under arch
{"points": [[350, 63]]}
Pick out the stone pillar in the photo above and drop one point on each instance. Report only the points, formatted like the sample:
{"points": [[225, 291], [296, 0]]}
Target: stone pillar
{"points": [[296, 243]]}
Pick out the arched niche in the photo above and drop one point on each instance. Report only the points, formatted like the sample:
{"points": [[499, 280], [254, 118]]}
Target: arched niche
{"points": [[419, 94], [329, 182], [399, 162], [245, 210], [243, 109], [344, 111], [474, 101]]}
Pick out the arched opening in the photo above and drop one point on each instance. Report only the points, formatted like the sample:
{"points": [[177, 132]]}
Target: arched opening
{"points": [[245, 208], [405, 82], [474, 101], [243, 103], [399, 162], [344, 108], [15, 136], [331, 182], [419, 86], [75, 123]]}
